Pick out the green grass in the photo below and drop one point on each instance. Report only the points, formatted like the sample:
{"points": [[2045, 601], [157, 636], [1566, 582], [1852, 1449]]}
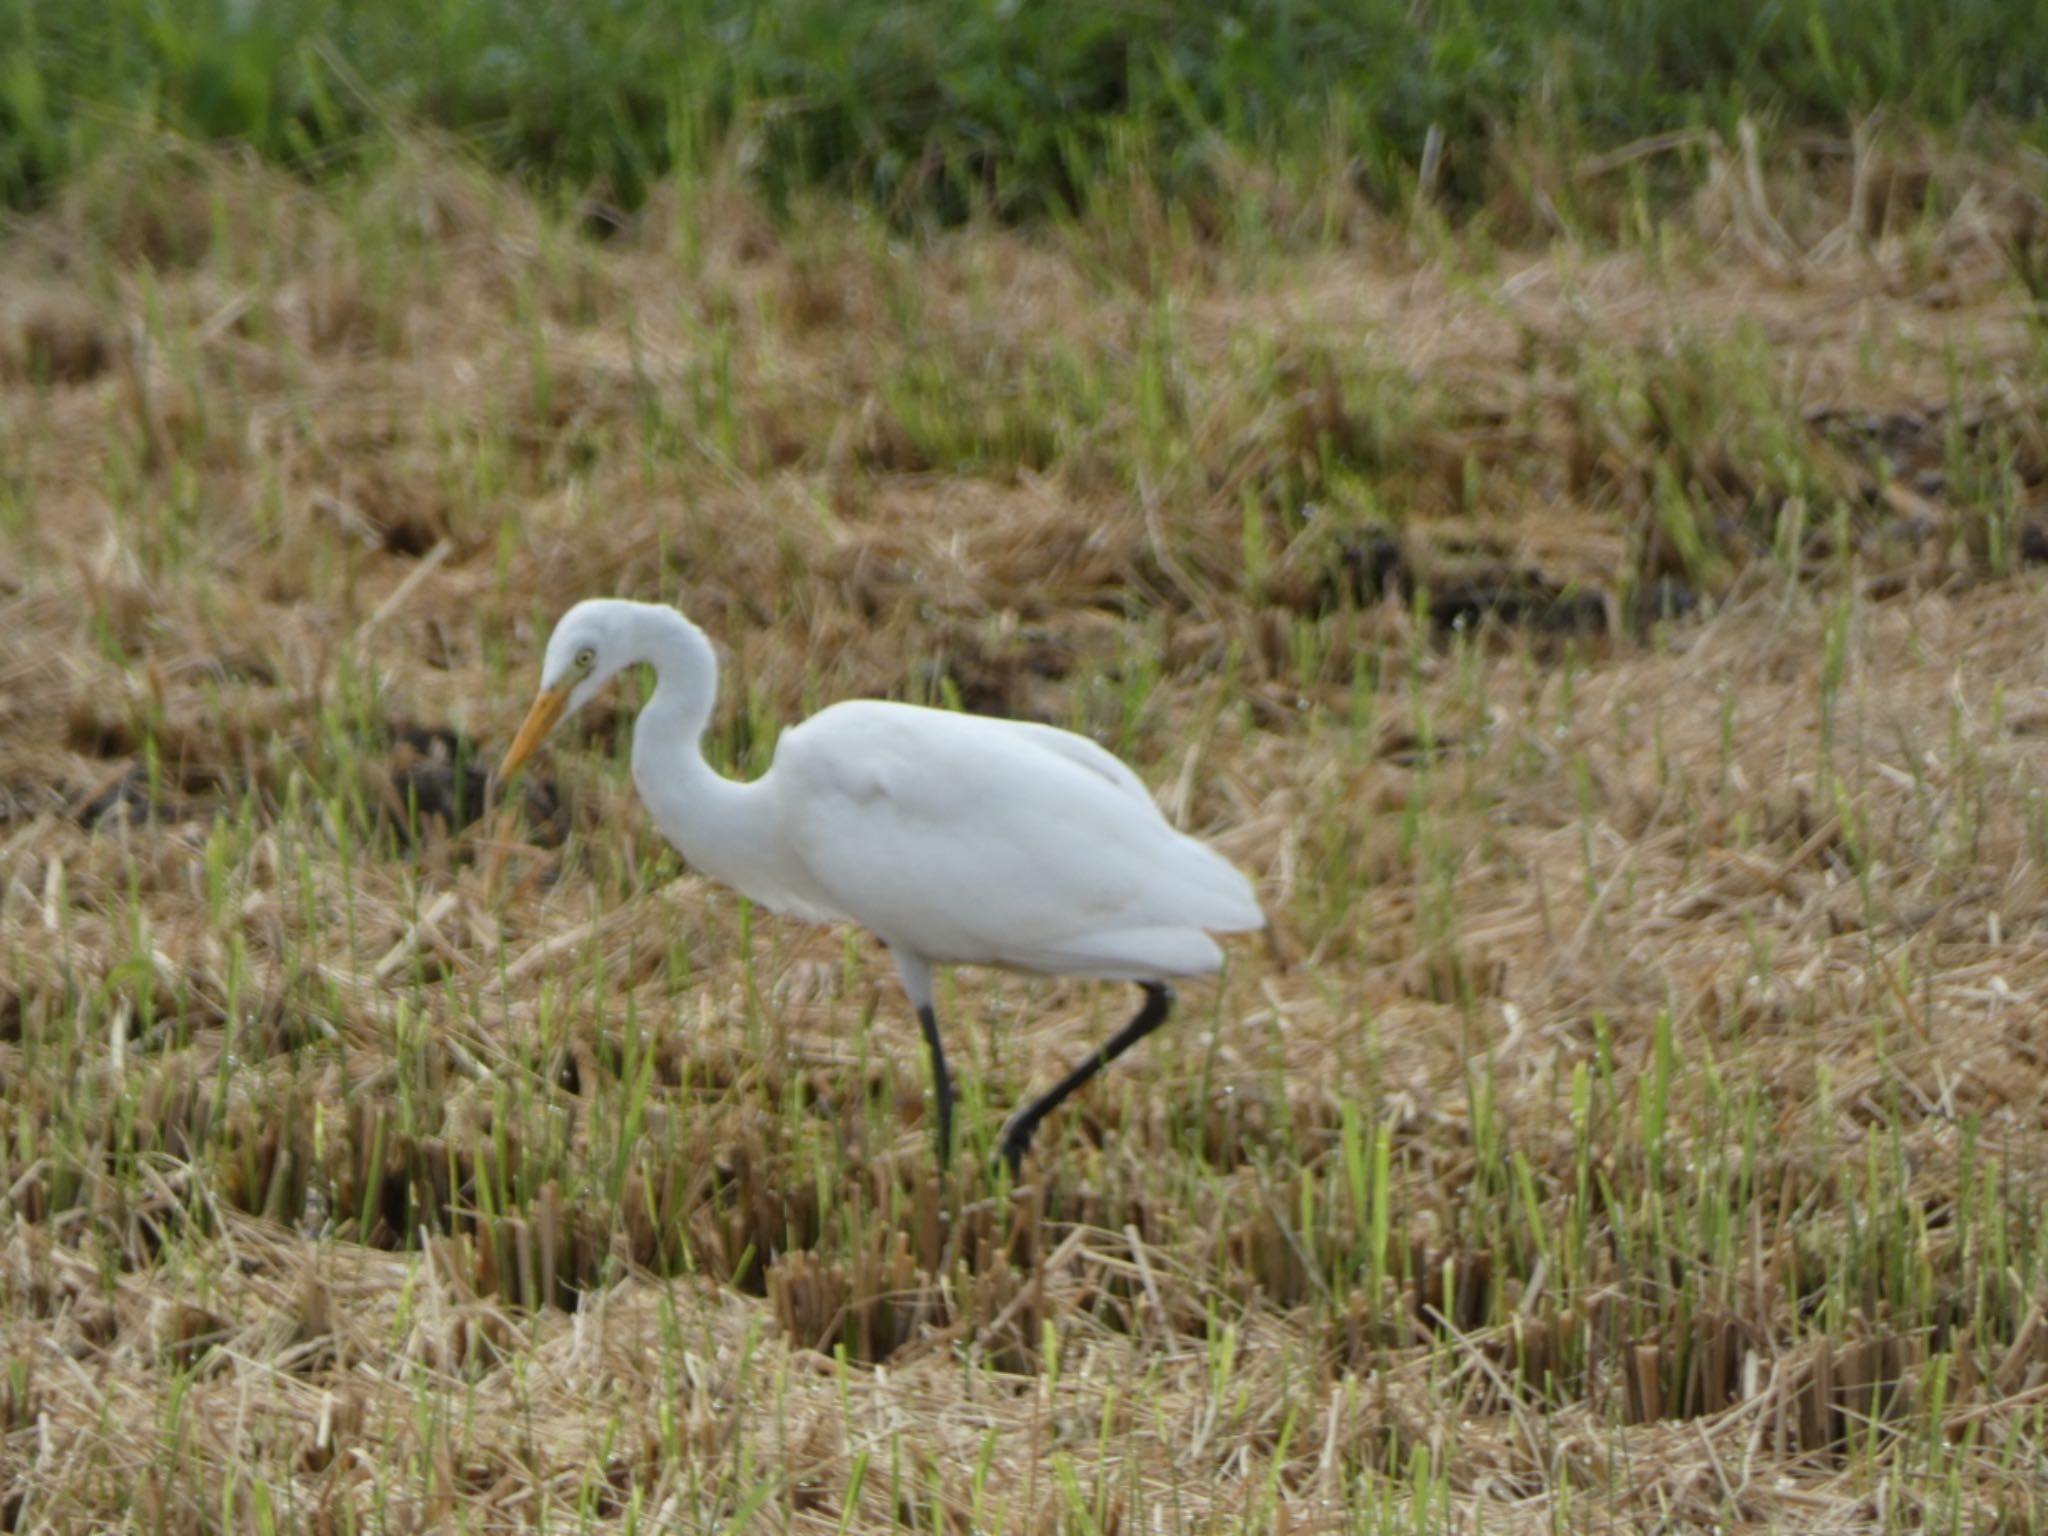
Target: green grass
{"points": [[928, 108]]}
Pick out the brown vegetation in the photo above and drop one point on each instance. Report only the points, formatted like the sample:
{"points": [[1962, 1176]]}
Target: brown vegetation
{"points": [[1620, 669]]}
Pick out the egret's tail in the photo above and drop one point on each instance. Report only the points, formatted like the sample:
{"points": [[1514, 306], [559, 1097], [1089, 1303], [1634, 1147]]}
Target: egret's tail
{"points": [[1214, 893], [1132, 954]]}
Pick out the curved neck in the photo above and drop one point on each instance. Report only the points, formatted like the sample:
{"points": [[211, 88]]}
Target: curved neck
{"points": [[721, 826], [685, 691]]}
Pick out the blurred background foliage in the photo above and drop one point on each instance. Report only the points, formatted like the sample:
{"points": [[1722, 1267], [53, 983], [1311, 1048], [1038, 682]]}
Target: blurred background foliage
{"points": [[944, 109]]}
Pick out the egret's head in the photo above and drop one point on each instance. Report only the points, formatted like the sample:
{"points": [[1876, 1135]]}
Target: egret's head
{"points": [[588, 648]]}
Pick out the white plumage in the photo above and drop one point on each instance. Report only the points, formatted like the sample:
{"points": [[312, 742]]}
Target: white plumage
{"points": [[955, 839]]}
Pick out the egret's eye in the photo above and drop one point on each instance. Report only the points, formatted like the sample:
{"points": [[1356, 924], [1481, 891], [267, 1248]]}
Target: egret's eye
{"points": [[586, 659]]}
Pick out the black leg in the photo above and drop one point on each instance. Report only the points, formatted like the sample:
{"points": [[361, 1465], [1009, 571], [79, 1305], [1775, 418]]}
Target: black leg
{"points": [[942, 1083], [1017, 1134]]}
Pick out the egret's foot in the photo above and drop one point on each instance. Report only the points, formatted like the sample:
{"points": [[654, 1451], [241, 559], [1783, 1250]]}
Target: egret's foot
{"points": [[1015, 1143], [1017, 1135]]}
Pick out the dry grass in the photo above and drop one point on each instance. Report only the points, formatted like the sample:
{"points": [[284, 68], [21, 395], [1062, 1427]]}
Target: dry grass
{"points": [[1638, 1121]]}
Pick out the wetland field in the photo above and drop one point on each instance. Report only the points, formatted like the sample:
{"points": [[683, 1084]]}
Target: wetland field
{"points": [[1596, 588]]}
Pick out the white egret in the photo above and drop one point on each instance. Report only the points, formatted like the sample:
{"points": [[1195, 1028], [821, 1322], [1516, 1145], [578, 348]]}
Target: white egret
{"points": [[956, 839]]}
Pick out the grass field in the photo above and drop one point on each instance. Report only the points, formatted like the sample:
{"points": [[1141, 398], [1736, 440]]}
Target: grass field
{"points": [[939, 110], [1616, 654]]}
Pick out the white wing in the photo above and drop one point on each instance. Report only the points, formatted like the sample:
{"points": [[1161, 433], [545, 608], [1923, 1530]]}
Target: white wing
{"points": [[961, 838]]}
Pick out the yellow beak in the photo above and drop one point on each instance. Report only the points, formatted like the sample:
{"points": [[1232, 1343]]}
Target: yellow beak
{"points": [[547, 709]]}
